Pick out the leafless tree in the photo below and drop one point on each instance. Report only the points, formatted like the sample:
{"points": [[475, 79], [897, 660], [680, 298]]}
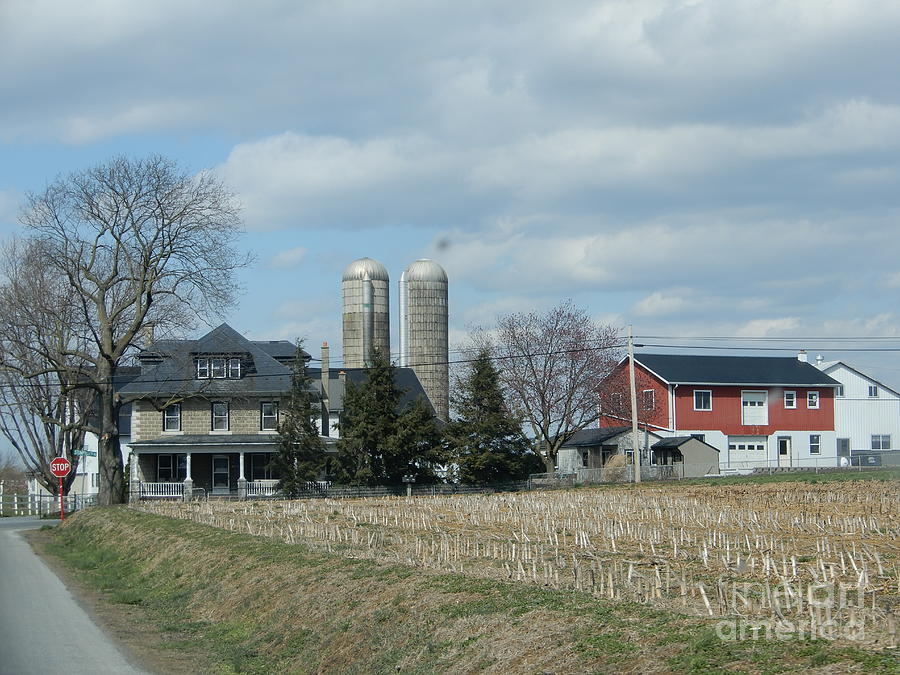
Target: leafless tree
{"points": [[44, 406], [141, 243], [615, 399], [551, 364]]}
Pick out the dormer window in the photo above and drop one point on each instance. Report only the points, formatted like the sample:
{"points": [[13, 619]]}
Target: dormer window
{"points": [[217, 368]]}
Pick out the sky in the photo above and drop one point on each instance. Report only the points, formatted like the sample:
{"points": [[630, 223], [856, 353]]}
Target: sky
{"points": [[693, 168]]}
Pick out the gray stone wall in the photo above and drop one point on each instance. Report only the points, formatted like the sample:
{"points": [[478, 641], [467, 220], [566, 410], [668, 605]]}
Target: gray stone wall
{"points": [[196, 418]]}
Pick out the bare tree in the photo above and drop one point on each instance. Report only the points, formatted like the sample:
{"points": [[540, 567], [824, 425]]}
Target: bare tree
{"points": [[551, 365], [141, 243], [615, 399], [44, 406]]}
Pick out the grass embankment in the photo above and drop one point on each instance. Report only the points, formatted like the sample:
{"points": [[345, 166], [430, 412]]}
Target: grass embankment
{"points": [[253, 605]]}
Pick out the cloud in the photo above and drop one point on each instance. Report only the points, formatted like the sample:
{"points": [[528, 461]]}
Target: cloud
{"points": [[292, 257]]}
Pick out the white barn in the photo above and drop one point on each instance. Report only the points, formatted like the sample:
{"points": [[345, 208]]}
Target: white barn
{"points": [[866, 411]]}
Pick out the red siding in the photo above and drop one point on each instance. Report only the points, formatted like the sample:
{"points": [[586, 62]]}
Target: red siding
{"points": [[725, 415], [616, 415]]}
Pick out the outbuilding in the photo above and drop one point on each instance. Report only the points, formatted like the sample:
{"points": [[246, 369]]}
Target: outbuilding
{"points": [[693, 457]]}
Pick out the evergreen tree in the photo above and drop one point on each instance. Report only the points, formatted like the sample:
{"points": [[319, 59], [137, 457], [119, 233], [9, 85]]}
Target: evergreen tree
{"points": [[380, 443], [485, 440], [301, 453]]}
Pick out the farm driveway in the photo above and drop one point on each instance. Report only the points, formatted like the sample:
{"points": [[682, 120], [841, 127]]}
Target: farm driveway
{"points": [[42, 628]]}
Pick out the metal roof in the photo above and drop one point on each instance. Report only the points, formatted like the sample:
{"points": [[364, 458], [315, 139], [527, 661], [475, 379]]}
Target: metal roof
{"points": [[358, 269], [425, 270], [735, 370]]}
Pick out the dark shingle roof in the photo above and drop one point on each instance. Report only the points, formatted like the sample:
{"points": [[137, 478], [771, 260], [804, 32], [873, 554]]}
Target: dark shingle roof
{"points": [[214, 440], [405, 380], [594, 436], [171, 371], [740, 370], [678, 441]]}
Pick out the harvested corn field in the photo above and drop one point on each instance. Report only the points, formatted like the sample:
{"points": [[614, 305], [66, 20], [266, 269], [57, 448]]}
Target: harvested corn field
{"points": [[816, 558]]}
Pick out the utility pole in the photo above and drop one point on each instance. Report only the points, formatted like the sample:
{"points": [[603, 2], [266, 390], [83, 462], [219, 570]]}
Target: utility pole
{"points": [[634, 426]]}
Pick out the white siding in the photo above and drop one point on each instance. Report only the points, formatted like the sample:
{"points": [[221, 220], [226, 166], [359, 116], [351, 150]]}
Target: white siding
{"points": [[858, 416]]}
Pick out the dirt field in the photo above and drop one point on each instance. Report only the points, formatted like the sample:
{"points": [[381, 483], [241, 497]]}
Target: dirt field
{"points": [[820, 555]]}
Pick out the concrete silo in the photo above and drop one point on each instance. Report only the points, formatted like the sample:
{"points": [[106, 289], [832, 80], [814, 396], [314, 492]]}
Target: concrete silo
{"points": [[423, 330], [366, 312]]}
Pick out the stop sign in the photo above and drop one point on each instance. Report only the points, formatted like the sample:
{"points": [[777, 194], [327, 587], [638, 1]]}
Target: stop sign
{"points": [[60, 467]]}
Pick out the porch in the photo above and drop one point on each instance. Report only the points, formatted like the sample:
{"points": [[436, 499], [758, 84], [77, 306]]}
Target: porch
{"points": [[177, 472]]}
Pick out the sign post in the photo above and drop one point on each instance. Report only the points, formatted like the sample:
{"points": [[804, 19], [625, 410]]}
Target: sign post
{"points": [[60, 468]]}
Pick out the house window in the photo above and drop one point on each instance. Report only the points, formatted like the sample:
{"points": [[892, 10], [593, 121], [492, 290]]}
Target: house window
{"points": [[873, 391], [881, 441], [815, 444], [812, 400], [172, 417], [702, 399], [790, 399], [839, 391], [164, 472], [260, 467], [220, 416], [617, 400], [234, 369], [649, 399], [584, 457], [202, 368], [217, 367], [268, 413]]}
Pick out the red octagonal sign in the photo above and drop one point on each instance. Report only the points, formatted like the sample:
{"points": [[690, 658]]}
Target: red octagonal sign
{"points": [[60, 467]]}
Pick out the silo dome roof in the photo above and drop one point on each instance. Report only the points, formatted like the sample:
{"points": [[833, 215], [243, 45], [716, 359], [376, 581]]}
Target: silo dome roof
{"points": [[425, 270], [358, 269]]}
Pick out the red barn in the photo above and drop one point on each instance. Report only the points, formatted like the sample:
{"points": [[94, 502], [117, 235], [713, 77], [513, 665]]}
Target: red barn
{"points": [[757, 410]]}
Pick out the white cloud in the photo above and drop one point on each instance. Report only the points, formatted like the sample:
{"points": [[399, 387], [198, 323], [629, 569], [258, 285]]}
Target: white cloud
{"points": [[292, 257], [659, 303]]}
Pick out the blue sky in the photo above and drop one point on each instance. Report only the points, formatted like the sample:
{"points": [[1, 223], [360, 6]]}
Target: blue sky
{"points": [[694, 168]]}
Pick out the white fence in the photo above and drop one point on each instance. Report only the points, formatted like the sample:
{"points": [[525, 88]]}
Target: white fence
{"points": [[42, 505], [154, 490], [262, 488]]}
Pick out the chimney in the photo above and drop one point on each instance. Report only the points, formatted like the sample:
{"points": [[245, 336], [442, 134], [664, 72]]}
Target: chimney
{"points": [[802, 356], [147, 336], [326, 374], [819, 359]]}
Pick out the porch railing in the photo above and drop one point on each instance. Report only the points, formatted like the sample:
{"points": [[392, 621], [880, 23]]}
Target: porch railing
{"points": [[162, 490], [261, 488]]}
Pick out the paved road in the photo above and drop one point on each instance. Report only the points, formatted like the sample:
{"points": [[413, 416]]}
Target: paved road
{"points": [[43, 630]]}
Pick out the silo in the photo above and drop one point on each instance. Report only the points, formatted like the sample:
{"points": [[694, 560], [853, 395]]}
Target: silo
{"points": [[366, 313], [423, 330]]}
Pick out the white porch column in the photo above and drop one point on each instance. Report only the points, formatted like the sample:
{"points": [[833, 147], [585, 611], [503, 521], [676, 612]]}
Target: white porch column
{"points": [[242, 481], [134, 479], [188, 481]]}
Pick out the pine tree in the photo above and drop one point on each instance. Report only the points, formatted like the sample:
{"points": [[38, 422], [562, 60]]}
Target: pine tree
{"points": [[485, 440], [379, 442], [301, 453]]}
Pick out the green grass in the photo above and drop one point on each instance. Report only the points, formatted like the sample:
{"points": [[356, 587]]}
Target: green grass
{"points": [[300, 611]]}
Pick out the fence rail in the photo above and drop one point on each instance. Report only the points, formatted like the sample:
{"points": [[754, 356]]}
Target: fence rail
{"points": [[42, 505], [152, 490]]}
